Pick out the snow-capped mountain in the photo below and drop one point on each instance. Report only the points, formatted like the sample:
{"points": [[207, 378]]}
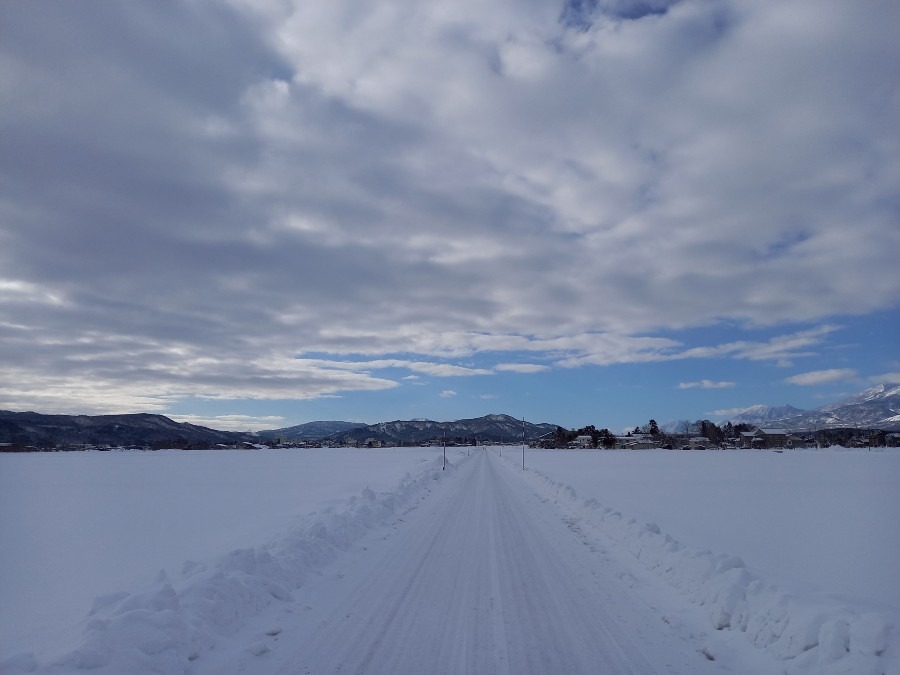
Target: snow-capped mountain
{"points": [[877, 407]]}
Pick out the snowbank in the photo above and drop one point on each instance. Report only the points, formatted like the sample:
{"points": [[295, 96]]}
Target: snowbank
{"points": [[77, 525], [809, 632], [168, 626], [809, 518]]}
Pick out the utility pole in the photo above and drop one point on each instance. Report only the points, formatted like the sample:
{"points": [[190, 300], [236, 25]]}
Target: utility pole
{"points": [[445, 452], [523, 444]]}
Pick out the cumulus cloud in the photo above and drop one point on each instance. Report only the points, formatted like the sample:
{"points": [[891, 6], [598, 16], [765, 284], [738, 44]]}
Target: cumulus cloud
{"points": [[816, 377], [191, 195], [448, 393], [705, 384]]}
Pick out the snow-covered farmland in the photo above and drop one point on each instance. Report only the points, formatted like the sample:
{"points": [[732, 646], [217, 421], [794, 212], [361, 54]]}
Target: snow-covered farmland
{"points": [[822, 519], [75, 526], [798, 551], [197, 562]]}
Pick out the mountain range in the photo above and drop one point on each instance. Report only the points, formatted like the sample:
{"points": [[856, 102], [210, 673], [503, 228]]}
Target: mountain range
{"points": [[310, 431], [21, 430], [35, 429], [877, 407], [494, 428]]}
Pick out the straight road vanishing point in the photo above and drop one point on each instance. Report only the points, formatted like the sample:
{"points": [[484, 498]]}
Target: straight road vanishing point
{"points": [[484, 576]]}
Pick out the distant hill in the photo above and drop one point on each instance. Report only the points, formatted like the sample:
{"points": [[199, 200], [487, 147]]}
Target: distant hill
{"points": [[494, 428], [877, 407], [47, 431], [35, 429], [310, 430]]}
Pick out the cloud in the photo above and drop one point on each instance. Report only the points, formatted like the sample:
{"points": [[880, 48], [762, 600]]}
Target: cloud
{"points": [[521, 367], [488, 397], [780, 348], [705, 384], [232, 422], [107, 375], [191, 195], [885, 378], [447, 370], [817, 377], [606, 349], [727, 412], [429, 368], [448, 393]]}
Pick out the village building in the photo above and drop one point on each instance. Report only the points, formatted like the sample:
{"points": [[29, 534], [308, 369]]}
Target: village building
{"points": [[775, 438], [636, 442]]}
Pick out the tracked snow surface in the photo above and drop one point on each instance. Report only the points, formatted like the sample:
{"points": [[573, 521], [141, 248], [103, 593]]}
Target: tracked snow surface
{"points": [[480, 568]]}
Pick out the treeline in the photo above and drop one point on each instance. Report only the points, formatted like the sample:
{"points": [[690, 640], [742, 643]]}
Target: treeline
{"points": [[600, 438]]}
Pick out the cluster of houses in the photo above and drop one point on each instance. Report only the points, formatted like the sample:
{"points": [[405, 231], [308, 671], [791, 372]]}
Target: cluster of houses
{"points": [[762, 439]]}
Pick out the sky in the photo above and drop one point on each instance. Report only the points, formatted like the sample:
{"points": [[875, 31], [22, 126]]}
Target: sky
{"points": [[250, 214]]}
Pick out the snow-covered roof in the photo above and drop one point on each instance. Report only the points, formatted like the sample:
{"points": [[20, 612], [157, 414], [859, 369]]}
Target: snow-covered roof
{"points": [[774, 432]]}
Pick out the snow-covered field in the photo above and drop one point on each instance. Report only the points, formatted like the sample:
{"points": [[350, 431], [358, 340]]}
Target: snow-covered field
{"points": [[799, 551], [95, 550], [75, 526], [827, 520]]}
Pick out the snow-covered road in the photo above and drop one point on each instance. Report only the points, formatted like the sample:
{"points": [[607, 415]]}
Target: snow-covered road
{"points": [[483, 577]]}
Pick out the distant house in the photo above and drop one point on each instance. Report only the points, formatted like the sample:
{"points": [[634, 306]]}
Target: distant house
{"points": [[772, 438], [892, 440], [583, 442], [636, 442], [746, 439]]}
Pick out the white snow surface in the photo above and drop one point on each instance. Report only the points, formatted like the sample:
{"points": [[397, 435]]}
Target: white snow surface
{"points": [[377, 561], [813, 519], [815, 581], [79, 525]]}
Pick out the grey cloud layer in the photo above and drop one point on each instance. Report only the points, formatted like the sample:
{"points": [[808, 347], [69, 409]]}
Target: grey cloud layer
{"points": [[193, 194]]}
